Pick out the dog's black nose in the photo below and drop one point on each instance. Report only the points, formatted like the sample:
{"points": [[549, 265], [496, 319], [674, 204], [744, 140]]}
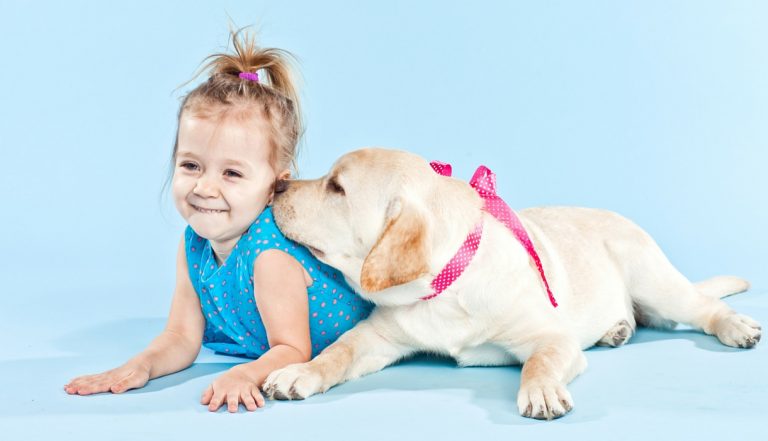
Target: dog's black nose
{"points": [[281, 186]]}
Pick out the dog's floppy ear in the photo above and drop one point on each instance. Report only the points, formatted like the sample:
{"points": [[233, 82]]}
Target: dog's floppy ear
{"points": [[400, 253]]}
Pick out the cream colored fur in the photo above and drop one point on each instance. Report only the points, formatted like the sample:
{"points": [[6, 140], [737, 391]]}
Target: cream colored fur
{"points": [[607, 274]]}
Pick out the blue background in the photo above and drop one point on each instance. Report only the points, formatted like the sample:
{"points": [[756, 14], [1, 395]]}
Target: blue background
{"points": [[654, 109]]}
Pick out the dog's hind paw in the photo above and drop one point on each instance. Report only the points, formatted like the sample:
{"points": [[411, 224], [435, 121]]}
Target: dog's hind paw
{"points": [[293, 382], [618, 335]]}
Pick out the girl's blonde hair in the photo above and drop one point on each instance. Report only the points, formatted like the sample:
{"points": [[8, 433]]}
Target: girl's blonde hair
{"points": [[273, 97]]}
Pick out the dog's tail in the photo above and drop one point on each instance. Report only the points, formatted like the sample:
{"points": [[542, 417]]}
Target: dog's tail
{"points": [[721, 286]]}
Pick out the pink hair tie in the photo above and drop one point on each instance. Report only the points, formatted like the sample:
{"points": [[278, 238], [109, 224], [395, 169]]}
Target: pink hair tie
{"points": [[249, 76]]}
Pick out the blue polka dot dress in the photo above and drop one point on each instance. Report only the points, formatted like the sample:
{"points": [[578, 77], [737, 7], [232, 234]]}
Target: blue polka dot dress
{"points": [[232, 322]]}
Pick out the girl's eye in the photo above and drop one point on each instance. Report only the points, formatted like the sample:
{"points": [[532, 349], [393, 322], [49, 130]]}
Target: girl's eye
{"points": [[191, 166], [232, 174]]}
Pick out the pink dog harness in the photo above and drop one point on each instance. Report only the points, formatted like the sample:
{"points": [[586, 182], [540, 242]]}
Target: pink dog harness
{"points": [[484, 182]]}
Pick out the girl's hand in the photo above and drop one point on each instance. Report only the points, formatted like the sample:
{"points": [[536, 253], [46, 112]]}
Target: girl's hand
{"points": [[232, 388], [131, 375]]}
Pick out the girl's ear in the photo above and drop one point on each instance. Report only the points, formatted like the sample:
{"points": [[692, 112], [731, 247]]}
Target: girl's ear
{"points": [[400, 255]]}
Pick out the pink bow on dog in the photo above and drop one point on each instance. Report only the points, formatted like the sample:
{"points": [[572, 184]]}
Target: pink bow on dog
{"points": [[484, 182]]}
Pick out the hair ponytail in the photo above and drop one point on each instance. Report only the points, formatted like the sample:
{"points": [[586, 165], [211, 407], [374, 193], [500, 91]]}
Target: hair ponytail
{"points": [[274, 95], [248, 57]]}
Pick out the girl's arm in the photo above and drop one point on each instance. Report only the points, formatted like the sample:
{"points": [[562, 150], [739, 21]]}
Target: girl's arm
{"points": [[280, 288], [171, 351]]}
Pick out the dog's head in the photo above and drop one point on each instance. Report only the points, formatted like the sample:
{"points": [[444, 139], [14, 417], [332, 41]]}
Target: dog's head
{"points": [[372, 216]]}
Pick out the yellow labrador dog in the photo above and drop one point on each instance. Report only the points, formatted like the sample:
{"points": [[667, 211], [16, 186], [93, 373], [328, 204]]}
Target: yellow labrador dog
{"points": [[390, 224]]}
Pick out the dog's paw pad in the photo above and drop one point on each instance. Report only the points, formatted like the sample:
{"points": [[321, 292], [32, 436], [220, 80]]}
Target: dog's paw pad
{"points": [[617, 335]]}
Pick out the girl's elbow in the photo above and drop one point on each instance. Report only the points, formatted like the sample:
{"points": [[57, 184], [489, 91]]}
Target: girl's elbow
{"points": [[305, 355], [302, 352]]}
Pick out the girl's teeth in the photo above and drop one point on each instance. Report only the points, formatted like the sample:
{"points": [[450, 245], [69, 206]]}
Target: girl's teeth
{"points": [[208, 211]]}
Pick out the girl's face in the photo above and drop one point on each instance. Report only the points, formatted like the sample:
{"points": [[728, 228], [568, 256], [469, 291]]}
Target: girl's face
{"points": [[222, 178]]}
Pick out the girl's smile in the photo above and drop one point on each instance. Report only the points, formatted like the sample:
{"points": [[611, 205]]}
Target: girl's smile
{"points": [[204, 210]]}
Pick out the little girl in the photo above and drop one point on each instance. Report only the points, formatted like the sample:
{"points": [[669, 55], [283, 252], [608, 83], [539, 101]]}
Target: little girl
{"points": [[242, 288]]}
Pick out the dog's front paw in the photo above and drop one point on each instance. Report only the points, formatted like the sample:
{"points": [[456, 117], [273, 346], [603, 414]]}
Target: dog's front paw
{"points": [[544, 400], [293, 382], [738, 330]]}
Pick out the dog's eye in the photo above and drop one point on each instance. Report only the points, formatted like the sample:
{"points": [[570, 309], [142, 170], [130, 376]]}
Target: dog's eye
{"points": [[334, 187]]}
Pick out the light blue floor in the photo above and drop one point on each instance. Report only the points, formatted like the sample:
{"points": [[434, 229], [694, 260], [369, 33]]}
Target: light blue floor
{"points": [[663, 385]]}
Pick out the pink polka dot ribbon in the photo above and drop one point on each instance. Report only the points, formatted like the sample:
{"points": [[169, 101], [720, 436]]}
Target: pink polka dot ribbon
{"points": [[484, 182], [458, 263]]}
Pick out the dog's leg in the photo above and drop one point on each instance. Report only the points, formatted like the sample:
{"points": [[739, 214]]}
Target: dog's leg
{"points": [[551, 366], [661, 294], [357, 352]]}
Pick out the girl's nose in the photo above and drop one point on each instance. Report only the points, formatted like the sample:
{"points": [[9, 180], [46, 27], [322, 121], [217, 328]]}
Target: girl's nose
{"points": [[205, 187]]}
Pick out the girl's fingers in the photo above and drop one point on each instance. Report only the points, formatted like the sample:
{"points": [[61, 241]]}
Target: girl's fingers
{"points": [[207, 395], [89, 377], [115, 380], [248, 401], [71, 387], [257, 396], [215, 403], [89, 384], [233, 400], [79, 381], [85, 389], [105, 382], [94, 385], [94, 388], [76, 380]]}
